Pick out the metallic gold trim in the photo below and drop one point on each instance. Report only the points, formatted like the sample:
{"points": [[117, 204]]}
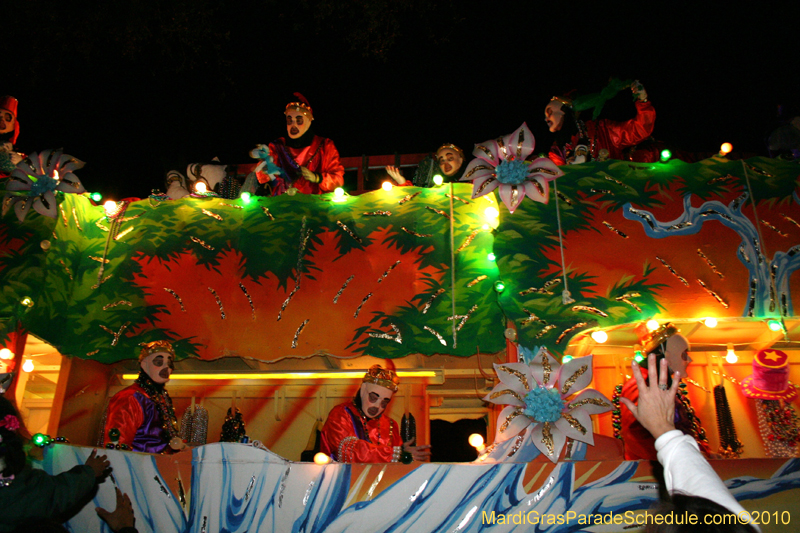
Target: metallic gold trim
{"points": [[573, 378], [516, 373], [485, 150], [574, 423], [497, 394], [476, 168]]}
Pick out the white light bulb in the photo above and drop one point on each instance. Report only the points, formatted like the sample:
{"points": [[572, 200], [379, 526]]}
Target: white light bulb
{"points": [[27, 366], [321, 459], [476, 440]]}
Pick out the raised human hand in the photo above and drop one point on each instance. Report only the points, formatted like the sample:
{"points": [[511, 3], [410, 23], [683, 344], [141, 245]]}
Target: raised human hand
{"points": [[638, 90], [395, 174], [99, 464], [656, 407]]}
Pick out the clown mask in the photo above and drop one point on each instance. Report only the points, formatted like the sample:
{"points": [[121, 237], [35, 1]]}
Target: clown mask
{"points": [[374, 399], [297, 123], [449, 161], [677, 354], [554, 116], [159, 366], [7, 121]]}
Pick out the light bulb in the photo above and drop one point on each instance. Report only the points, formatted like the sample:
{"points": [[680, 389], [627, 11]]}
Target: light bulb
{"points": [[246, 197], [491, 256], [599, 336], [665, 155], [5, 353], [491, 212], [725, 149], [476, 440], [200, 187], [731, 357], [27, 366], [652, 324], [711, 322], [96, 196], [338, 192], [110, 207], [774, 325], [438, 180], [566, 359], [386, 186], [321, 459]]}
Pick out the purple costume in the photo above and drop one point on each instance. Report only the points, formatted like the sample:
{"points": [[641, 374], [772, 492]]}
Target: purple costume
{"points": [[138, 417]]}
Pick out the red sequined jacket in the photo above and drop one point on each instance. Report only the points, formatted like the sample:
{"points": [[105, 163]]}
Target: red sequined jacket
{"points": [[320, 157], [349, 437], [613, 136]]}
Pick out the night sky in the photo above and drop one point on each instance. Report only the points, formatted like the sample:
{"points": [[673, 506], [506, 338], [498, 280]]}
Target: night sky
{"points": [[136, 88]]}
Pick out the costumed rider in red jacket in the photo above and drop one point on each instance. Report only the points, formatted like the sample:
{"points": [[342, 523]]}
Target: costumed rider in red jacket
{"points": [[303, 162], [141, 417], [9, 131], [579, 141], [357, 431]]}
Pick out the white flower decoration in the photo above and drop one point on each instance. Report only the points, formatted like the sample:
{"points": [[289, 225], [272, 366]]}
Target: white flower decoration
{"points": [[34, 182], [501, 164], [538, 403]]}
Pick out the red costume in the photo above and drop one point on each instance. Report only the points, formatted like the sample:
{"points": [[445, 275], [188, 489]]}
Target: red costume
{"points": [[137, 416], [611, 135], [639, 443], [350, 437], [320, 157]]}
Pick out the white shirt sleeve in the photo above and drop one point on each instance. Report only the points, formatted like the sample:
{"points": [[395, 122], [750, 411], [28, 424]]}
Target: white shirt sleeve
{"points": [[688, 472]]}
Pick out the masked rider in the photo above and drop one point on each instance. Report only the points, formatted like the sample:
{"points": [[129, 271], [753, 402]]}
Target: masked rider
{"points": [[307, 162], [358, 432], [141, 417]]}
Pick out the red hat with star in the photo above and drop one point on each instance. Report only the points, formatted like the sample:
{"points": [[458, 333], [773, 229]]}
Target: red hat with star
{"points": [[770, 378]]}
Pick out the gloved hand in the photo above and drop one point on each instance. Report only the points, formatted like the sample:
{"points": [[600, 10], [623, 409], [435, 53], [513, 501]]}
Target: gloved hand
{"points": [[310, 176], [638, 91]]}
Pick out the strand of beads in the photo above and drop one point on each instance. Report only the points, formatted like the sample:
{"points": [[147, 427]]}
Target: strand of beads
{"points": [[779, 428], [698, 432], [616, 418]]}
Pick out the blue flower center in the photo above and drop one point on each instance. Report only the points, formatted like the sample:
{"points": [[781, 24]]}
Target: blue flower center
{"points": [[511, 172], [543, 405], [42, 185]]}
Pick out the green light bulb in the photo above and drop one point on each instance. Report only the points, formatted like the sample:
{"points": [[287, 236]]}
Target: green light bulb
{"points": [[491, 256], [246, 197], [665, 155], [774, 325], [40, 439], [566, 359], [499, 286], [96, 196]]}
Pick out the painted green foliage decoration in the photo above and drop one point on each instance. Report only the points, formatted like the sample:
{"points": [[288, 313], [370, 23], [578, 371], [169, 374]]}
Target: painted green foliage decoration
{"points": [[295, 276]]}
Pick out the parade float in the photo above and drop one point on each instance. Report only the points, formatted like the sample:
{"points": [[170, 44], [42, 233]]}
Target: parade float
{"points": [[277, 305]]}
